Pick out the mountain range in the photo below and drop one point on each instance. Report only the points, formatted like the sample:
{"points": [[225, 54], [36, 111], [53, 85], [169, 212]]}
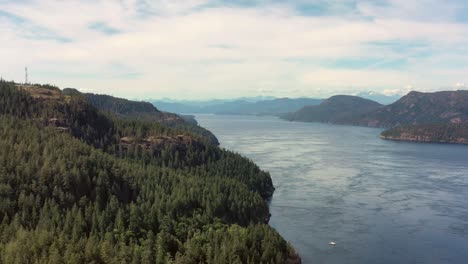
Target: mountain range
{"points": [[416, 116], [261, 105], [238, 107], [379, 97]]}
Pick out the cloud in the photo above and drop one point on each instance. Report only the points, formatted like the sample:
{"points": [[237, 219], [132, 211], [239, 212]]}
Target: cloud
{"points": [[104, 28], [206, 48], [28, 29], [392, 92]]}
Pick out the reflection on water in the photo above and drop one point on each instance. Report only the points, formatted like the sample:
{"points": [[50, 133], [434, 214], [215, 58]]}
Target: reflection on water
{"points": [[381, 201]]}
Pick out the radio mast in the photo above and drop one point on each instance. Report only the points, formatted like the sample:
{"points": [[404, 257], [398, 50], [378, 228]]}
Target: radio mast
{"points": [[26, 75]]}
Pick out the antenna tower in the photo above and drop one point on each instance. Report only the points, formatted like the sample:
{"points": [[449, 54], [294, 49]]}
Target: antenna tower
{"points": [[26, 75]]}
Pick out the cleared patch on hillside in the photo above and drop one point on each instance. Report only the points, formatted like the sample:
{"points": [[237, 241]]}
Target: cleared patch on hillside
{"points": [[41, 93]]}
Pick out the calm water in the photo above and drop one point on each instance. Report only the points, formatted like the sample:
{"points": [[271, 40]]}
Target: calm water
{"points": [[381, 201]]}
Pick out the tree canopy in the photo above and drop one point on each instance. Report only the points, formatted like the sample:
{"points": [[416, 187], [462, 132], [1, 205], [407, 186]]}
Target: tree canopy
{"points": [[78, 186]]}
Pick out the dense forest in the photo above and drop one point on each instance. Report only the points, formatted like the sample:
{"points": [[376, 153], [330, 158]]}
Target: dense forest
{"points": [[145, 111], [438, 133], [422, 117], [338, 109], [80, 186], [418, 108]]}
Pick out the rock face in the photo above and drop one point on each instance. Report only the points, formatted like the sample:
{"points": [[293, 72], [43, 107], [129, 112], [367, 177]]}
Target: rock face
{"points": [[438, 133], [421, 108], [339, 109]]}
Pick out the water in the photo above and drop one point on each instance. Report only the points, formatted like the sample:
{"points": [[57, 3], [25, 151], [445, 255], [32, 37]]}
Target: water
{"points": [[380, 201]]}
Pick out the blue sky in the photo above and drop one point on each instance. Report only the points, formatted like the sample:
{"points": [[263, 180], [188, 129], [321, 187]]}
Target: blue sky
{"points": [[200, 49]]}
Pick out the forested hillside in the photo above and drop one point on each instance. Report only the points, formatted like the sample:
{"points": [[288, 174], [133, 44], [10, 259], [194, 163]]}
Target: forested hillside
{"points": [[339, 109], [145, 111], [436, 133], [80, 187], [421, 108]]}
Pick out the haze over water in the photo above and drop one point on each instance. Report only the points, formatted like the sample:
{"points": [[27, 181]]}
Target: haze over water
{"points": [[380, 201]]}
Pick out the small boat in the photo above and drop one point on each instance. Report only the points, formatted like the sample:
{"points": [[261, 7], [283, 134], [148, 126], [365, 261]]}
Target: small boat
{"points": [[332, 243]]}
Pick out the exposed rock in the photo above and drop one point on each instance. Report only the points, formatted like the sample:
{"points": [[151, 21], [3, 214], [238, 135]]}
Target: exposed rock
{"points": [[41, 93], [179, 143]]}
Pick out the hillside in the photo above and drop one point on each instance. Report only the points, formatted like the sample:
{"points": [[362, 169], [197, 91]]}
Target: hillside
{"points": [[421, 108], [80, 186], [132, 109], [339, 109], [145, 111], [435, 133], [239, 107]]}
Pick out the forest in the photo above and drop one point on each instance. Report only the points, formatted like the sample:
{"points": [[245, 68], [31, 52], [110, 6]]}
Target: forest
{"points": [[81, 186], [145, 111], [438, 133]]}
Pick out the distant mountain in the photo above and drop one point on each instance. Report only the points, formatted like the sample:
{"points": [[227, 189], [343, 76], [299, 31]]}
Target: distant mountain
{"points": [[146, 112], [380, 98], [421, 108], [339, 109], [239, 107], [435, 133], [176, 107], [214, 101]]}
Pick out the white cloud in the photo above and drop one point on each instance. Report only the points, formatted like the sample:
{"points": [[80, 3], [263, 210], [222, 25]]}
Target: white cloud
{"points": [[188, 51]]}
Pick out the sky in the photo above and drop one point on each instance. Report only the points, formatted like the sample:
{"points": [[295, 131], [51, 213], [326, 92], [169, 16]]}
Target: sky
{"points": [[204, 49]]}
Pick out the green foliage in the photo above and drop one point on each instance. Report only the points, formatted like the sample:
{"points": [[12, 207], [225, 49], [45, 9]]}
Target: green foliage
{"points": [[443, 107], [81, 196], [144, 111], [440, 133]]}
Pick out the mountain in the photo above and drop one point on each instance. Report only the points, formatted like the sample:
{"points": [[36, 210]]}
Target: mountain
{"points": [[433, 133], [144, 111], [420, 117], [421, 108], [339, 109], [239, 107], [132, 109], [380, 98], [82, 186], [269, 107]]}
